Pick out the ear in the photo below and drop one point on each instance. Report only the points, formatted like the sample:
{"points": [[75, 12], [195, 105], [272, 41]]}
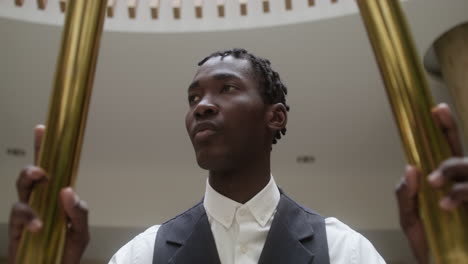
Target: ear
{"points": [[277, 117]]}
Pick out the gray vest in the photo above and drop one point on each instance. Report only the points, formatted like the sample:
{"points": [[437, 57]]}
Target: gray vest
{"points": [[297, 235]]}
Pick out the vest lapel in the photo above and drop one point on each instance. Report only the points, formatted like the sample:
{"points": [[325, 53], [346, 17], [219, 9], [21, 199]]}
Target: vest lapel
{"points": [[297, 235], [198, 247], [289, 237]]}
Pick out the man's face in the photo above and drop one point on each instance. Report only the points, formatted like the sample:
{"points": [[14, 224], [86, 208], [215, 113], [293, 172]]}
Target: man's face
{"points": [[226, 116]]}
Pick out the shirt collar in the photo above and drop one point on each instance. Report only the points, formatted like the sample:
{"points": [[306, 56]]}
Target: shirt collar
{"points": [[262, 206]]}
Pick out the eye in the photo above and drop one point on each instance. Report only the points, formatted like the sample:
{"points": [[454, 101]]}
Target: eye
{"points": [[193, 98], [228, 88]]}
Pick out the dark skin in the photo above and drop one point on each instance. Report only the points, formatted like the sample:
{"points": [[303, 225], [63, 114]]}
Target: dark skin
{"points": [[235, 147], [453, 170], [231, 128], [22, 216]]}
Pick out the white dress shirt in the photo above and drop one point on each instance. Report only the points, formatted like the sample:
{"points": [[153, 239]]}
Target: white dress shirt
{"points": [[240, 232]]}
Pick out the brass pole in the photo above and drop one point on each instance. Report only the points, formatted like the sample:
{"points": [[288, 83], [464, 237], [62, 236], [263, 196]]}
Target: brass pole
{"points": [[60, 150], [411, 102]]}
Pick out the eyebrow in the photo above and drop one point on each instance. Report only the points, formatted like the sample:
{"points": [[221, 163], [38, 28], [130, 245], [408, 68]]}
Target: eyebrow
{"points": [[219, 77], [226, 75], [193, 85]]}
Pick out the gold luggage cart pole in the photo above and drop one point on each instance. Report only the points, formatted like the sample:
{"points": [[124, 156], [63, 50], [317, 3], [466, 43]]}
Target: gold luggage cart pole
{"points": [[411, 102], [60, 150]]}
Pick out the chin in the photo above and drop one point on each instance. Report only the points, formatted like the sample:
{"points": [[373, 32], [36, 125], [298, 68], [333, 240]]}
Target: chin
{"points": [[212, 160]]}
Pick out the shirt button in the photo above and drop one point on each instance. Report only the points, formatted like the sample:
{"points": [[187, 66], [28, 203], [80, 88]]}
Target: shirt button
{"points": [[243, 249], [242, 212]]}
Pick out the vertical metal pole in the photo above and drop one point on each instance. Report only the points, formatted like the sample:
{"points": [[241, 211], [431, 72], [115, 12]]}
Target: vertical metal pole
{"points": [[61, 147], [411, 102]]}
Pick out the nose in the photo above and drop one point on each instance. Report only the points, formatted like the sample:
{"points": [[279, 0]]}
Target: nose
{"points": [[206, 108]]}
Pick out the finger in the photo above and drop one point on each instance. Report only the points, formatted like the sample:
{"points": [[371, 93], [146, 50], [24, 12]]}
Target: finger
{"points": [[75, 209], [406, 193], [29, 177], [456, 196], [451, 170], [409, 184], [39, 132], [443, 116], [459, 192], [407, 196], [77, 233], [412, 177], [22, 216]]}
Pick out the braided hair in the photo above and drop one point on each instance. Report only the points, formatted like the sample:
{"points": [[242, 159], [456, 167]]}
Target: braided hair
{"points": [[274, 91]]}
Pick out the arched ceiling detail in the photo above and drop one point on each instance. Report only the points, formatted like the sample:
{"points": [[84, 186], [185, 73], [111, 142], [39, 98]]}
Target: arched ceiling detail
{"points": [[187, 15]]}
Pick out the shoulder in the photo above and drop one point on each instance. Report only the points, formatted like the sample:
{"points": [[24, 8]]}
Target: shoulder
{"points": [[139, 250], [348, 246], [194, 212], [293, 204]]}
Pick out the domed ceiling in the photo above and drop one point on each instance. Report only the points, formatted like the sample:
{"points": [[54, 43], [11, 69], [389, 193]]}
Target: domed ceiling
{"points": [[186, 15]]}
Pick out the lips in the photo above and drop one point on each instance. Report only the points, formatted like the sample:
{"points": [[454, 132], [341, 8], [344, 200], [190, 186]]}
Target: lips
{"points": [[204, 130]]}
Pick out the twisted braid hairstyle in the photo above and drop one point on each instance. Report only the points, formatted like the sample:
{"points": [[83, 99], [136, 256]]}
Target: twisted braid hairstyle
{"points": [[274, 91]]}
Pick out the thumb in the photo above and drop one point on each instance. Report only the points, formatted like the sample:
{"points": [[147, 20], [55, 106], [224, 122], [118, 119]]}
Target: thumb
{"points": [[445, 119], [76, 211], [410, 220]]}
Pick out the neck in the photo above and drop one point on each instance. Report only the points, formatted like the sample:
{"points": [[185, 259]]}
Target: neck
{"points": [[243, 183]]}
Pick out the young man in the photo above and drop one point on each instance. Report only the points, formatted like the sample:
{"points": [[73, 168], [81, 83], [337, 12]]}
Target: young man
{"points": [[237, 110]]}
